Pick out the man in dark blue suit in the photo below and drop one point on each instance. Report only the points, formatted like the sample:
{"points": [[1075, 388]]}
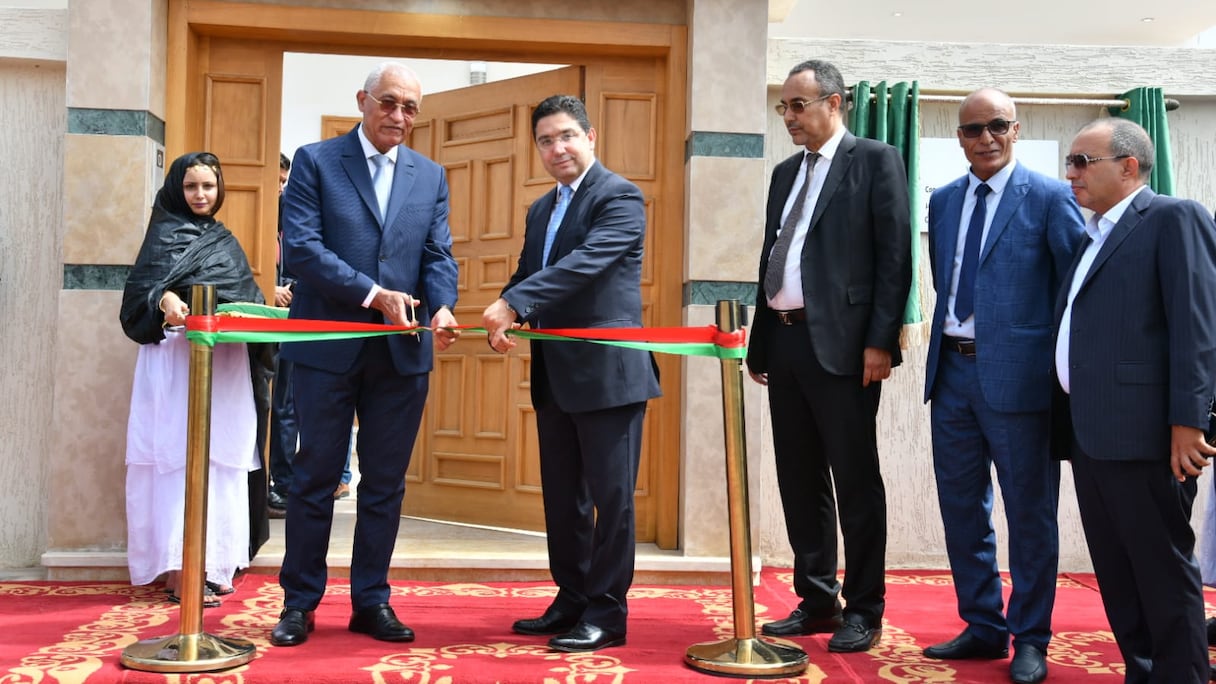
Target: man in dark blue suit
{"points": [[1135, 359], [581, 267], [1000, 239], [365, 232], [835, 271]]}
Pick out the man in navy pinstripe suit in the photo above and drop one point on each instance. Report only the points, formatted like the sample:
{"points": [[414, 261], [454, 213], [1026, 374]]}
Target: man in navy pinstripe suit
{"points": [[1136, 365], [365, 232]]}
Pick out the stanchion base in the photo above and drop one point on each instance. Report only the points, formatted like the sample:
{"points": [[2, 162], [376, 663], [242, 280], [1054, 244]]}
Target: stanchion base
{"points": [[187, 653], [746, 658]]}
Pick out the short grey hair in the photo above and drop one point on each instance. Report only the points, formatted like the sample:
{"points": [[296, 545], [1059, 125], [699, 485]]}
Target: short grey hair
{"points": [[376, 74], [826, 75], [1128, 138]]}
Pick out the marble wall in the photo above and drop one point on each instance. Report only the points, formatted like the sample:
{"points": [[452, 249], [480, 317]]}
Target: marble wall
{"points": [[31, 219], [111, 169], [68, 228]]}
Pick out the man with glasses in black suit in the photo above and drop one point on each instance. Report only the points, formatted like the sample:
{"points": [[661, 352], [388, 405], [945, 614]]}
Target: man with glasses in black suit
{"points": [[835, 271]]}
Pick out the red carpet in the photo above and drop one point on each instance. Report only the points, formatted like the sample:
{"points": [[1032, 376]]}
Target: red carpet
{"points": [[75, 632]]}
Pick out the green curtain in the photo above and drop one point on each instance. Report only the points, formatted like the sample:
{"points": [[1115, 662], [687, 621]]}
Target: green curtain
{"points": [[1146, 106], [894, 118]]}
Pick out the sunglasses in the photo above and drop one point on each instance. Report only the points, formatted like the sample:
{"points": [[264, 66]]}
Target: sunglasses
{"points": [[388, 107], [995, 127], [798, 106], [1080, 161]]}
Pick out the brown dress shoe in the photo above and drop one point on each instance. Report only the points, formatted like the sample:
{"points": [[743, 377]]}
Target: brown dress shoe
{"points": [[342, 491]]}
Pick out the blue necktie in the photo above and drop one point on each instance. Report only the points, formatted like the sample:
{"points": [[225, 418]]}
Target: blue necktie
{"points": [[559, 211], [381, 185], [964, 295]]}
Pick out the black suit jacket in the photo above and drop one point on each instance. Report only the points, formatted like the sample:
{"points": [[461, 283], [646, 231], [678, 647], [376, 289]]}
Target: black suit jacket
{"points": [[857, 259], [1142, 346], [593, 280]]}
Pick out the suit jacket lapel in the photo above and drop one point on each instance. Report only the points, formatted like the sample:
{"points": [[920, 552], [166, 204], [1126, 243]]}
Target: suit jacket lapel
{"points": [[783, 182], [563, 235], [404, 174], [1015, 191], [947, 243], [836, 172], [534, 233], [1124, 228], [356, 169]]}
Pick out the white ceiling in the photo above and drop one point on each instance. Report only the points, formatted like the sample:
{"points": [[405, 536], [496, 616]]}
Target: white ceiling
{"points": [[1175, 23]]}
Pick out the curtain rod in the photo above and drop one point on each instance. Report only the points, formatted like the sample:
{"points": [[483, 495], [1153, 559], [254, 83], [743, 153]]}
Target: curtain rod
{"points": [[1170, 104]]}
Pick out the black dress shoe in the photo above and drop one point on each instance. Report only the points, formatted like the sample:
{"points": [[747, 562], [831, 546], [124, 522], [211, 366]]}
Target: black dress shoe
{"points": [[1029, 665], [855, 635], [800, 623], [966, 647], [381, 623], [293, 628], [1211, 627], [276, 500], [586, 637], [552, 622]]}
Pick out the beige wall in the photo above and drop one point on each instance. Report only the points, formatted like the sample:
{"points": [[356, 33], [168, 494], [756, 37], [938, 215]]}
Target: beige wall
{"points": [[915, 532], [31, 218], [64, 405]]}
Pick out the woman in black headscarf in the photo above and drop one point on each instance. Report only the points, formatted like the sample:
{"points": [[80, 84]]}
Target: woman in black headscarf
{"points": [[186, 245]]}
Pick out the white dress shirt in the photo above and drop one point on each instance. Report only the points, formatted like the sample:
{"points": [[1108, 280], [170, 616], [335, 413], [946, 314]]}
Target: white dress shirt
{"points": [[1098, 227], [369, 151], [790, 295], [952, 326]]}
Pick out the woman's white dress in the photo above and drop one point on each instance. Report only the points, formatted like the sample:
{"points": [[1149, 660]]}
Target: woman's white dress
{"points": [[156, 460]]}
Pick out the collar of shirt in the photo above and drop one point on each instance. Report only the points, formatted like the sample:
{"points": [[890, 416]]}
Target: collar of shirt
{"points": [[996, 184], [828, 149], [1098, 227], [369, 150]]}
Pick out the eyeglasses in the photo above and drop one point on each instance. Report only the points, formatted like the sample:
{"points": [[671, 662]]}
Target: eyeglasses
{"points": [[798, 106], [1080, 161], [388, 107], [566, 138], [995, 127]]}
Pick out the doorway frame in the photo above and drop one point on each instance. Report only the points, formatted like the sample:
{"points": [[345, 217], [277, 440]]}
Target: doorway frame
{"points": [[462, 37]]}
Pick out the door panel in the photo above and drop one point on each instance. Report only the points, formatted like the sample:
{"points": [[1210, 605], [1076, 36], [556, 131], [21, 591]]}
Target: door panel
{"points": [[477, 460], [490, 474], [240, 100]]}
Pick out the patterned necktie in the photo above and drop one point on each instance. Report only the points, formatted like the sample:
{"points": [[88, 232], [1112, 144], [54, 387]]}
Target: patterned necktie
{"points": [[964, 294], [380, 184], [774, 275], [559, 211]]}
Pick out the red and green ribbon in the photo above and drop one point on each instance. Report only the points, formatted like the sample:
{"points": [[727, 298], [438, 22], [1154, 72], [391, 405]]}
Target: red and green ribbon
{"points": [[244, 322]]}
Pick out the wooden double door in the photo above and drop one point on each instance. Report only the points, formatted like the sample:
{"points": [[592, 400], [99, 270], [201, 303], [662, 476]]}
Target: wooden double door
{"points": [[476, 458]]}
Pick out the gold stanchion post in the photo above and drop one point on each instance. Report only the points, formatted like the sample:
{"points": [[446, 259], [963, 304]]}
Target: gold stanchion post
{"points": [[744, 655], [191, 649]]}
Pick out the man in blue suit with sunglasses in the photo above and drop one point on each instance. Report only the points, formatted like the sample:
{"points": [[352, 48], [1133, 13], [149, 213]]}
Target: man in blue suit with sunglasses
{"points": [[1000, 240]]}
